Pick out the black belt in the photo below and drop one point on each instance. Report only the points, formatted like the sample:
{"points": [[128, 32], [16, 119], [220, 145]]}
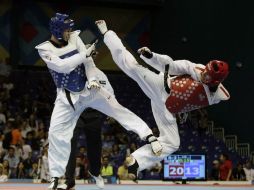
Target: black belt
{"points": [[68, 96], [166, 79]]}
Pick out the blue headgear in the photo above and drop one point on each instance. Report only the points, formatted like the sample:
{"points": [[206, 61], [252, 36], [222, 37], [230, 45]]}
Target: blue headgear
{"points": [[59, 23]]}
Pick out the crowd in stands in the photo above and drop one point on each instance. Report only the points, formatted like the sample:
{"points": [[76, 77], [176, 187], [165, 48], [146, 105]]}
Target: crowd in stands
{"points": [[223, 170], [25, 110]]}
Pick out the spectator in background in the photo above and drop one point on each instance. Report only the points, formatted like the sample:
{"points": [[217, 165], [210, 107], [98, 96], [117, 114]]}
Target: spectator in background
{"points": [[2, 119], [80, 169], [28, 162], [105, 153], [238, 173], [1, 145], [225, 167], [33, 173], [8, 133], [18, 120], [6, 168], [121, 139], [215, 172], [249, 171], [131, 149], [120, 133], [115, 153], [32, 141], [155, 170], [106, 169], [44, 139], [21, 173], [122, 172], [25, 128], [16, 134], [33, 122], [23, 150], [40, 132], [8, 86], [13, 161], [108, 142], [82, 154], [3, 176], [45, 176]]}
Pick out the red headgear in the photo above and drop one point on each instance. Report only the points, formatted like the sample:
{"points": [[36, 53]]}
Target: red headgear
{"points": [[217, 70]]}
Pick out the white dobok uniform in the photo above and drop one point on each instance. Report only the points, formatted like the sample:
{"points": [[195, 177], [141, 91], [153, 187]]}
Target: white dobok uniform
{"points": [[187, 93], [69, 67]]}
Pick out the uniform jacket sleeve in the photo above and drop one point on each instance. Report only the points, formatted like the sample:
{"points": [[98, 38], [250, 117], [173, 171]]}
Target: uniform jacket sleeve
{"points": [[61, 65], [178, 67], [88, 63]]}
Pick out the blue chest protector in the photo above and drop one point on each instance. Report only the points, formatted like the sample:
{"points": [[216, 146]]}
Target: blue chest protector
{"points": [[74, 81]]}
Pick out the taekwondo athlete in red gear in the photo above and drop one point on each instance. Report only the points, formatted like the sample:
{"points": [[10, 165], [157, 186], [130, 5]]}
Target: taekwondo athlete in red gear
{"points": [[193, 87]]}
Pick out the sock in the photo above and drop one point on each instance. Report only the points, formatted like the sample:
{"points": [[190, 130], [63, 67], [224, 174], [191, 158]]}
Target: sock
{"points": [[55, 182], [133, 169]]}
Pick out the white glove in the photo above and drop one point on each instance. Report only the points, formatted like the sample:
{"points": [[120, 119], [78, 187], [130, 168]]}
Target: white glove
{"points": [[155, 144], [102, 26], [93, 85], [91, 49], [146, 52]]}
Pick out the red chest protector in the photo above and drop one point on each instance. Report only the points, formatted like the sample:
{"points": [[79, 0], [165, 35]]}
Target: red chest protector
{"points": [[186, 95]]}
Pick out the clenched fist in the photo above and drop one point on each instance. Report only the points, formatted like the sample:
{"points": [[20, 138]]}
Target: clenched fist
{"points": [[146, 52], [93, 85], [102, 26]]}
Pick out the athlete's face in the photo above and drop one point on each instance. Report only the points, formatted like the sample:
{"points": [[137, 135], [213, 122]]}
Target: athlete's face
{"points": [[66, 35], [205, 77]]}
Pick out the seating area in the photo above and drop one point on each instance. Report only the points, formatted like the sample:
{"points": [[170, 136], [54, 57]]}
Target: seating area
{"points": [[32, 98]]}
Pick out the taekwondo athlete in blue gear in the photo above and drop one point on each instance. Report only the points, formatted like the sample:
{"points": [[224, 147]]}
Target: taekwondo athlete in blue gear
{"points": [[73, 72]]}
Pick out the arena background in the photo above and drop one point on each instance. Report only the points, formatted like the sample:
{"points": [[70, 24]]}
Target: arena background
{"points": [[195, 30]]}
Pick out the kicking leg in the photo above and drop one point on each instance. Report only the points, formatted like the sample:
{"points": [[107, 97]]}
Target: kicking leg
{"points": [[169, 139], [151, 83], [107, 104]]}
